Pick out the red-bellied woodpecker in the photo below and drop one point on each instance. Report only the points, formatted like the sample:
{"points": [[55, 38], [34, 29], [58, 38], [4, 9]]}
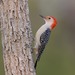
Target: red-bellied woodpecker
{"points": [[42, 36]]}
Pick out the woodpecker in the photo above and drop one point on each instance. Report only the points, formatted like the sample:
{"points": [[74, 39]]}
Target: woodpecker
{"points": [[42, 36]]}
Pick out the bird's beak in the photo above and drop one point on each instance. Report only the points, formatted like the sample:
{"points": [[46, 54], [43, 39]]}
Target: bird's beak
{"points": [[42, 16]]}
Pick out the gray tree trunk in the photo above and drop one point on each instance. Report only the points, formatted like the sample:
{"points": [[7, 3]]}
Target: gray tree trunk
{"points": [[16, 37]]}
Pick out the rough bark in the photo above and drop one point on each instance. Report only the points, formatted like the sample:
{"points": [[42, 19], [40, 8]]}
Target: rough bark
{"points": [[16, 37]]}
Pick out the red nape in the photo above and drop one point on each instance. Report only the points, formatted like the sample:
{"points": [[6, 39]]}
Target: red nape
{"points": [[54, 23]]}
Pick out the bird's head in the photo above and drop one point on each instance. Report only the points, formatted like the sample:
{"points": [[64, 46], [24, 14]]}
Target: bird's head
{"points": [[50, 21]]}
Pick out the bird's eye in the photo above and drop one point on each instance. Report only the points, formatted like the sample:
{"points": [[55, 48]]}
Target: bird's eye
{"points": [[49, 18]]}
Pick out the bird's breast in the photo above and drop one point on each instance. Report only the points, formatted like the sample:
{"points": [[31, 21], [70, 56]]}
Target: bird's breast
{"points": [[39, 32]]}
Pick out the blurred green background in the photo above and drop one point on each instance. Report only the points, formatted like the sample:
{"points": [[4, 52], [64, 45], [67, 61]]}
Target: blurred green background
{"points": [[59, 55]]}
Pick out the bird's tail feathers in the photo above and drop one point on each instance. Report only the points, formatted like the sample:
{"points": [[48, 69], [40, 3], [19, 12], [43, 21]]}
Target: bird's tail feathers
{"points": [[38, 55], [35, 64]]}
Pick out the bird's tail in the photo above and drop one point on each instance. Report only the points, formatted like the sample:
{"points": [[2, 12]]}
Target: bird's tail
{"points": [[40, 50], [35, 64], [36, 52], [38, 58]]}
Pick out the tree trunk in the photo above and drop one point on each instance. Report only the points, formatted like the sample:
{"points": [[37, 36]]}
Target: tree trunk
{"points": [[16, 37]]}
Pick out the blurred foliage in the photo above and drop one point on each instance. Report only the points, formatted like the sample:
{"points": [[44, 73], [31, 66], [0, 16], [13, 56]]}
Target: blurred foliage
{"points": [[59, 55]]}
